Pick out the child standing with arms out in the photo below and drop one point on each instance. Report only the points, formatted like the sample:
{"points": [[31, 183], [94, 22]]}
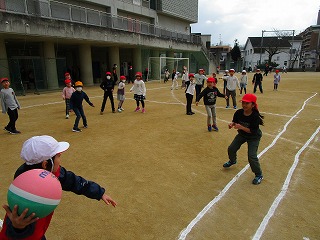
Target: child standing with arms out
{"points": [[247, 121], [199, 78], [243, 82], [76, 105], [66, 95], [139, 90], [191, 86], [257, 81], [166, 75], [107, 86], [120, 93], [10, 105], [45, 152], [210, 94], [276, 80]]}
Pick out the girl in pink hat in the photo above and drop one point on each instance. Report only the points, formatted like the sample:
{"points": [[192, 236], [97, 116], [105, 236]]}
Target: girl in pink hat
{"points": [[247, 120]]}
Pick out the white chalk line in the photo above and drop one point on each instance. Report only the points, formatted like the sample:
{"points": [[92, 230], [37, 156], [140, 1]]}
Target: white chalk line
{"points": [[187, 230], [283, 191]]}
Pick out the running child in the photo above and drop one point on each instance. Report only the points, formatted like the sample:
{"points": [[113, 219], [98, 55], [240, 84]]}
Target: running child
{"points": [[191, 85], [247, 121], [10, 105], [76, 105], [66, 95], [139, 90], [276, 80], [232, 85], [120, 93], [210, 94]]}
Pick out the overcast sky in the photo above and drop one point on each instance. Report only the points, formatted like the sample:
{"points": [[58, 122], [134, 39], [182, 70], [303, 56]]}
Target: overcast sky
{"points": [[234, 19]]}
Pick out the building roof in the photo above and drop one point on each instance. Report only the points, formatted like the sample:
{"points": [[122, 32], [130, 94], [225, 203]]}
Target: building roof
{"points": [[282, 42]]}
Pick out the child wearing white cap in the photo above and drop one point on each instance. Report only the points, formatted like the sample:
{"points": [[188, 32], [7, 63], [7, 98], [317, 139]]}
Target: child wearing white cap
{"points": [[44, 152]]}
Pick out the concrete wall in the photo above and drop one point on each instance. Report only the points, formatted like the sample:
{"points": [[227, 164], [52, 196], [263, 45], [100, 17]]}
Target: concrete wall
{"points": [[174, 24], [186, 9]]}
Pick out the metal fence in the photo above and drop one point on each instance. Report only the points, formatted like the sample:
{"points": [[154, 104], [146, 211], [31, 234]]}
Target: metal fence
{"points": [[72, 13]]}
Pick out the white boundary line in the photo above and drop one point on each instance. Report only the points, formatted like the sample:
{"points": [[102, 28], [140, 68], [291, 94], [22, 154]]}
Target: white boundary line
{"points": [[283, 191], [187, 230]]}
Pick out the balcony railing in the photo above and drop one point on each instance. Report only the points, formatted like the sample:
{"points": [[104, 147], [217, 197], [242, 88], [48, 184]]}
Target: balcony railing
{"points": [[72, 13]]}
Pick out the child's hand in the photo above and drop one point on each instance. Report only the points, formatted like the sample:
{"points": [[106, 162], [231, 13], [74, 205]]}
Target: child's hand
{"points": [[108, 200], [21, 221], [197, 103], [230, 125], [226, 97], [237, 126], [92, 105]]}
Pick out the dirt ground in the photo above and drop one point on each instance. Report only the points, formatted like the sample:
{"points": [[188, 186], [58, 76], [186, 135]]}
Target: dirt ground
{"points": [[163, 167]]}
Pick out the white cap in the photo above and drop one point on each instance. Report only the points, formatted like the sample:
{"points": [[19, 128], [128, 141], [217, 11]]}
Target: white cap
{"points": [[231, 70], [226, 71], [244, 71], [40, 148]]}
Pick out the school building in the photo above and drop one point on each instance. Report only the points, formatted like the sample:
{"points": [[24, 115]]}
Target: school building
{"points": [[40, 40]]}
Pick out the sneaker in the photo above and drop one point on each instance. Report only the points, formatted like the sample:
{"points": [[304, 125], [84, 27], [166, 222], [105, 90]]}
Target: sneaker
{"points": [[119, 110], [235, 107], [228, 164], [193, 113], [257, 180], [101, 113], [76, 130], [137, 109], [215, 128], [85, 126], [7, 129], [227, 106], [209, 128], [15, 132], [143, 110], [67, 116], [122, 109]]}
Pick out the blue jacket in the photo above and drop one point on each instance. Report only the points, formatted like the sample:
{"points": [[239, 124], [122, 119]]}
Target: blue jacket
{"points": [[77, 98]]}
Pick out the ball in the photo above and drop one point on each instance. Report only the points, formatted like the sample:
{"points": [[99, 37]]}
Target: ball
{"points": [[38, 190]]}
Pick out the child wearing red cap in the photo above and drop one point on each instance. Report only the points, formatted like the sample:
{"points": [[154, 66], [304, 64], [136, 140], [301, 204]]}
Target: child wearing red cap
{"points": [[139, 90], [10, 105], [107, 86], [66, 95], [120, 93], [191, 85], [247, 121], [210, 94], [276, 80]]}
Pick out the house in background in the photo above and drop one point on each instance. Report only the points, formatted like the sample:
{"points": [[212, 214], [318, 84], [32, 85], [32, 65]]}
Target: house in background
{"points": [[286, 51]]}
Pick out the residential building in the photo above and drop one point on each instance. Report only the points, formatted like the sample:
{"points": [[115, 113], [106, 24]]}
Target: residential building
{"points": [[46, 38]]}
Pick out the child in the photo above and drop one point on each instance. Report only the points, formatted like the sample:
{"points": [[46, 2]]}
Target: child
{"points": [[166, 75], [191, 85], [10, 105], [44, 152], [107, 86], [232, 84], [276, 80], [199, 77], [174, 80], [120, 93], [66, 95], [139, 90], [214, 75], [210, 94], [247, 121], [225, 78], [67, 76], [76, 105], [243, 82], [184, 77], [257, 81]]}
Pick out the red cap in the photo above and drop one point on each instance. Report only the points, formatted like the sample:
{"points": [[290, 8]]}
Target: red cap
{"points": [[108, 73], [67, 74], [201, 69], [277, 71], [139, 74], [191, 75], [123, 78], [211, 79], [249, 97], [4, 79], [67, 81], [231, 70]]}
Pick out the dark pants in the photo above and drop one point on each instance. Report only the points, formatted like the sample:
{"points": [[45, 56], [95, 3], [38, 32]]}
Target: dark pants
{"points": [[105, 97], [189, 102], [255, 86], [138, 103], [80, 114], [275, 86], [233, 96], [67, 106], [198, 90], [253, 144], [13, 117]]}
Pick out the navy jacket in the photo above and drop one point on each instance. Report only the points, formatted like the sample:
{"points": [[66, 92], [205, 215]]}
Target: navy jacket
{"points": [[77, 98]]}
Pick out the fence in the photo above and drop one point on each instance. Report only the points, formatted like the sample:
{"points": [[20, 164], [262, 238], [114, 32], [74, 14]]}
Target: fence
{"points": [[72, 13]]}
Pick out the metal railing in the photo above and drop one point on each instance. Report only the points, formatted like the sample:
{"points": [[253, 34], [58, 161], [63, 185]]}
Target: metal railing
{"points": [[72, 13]]}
